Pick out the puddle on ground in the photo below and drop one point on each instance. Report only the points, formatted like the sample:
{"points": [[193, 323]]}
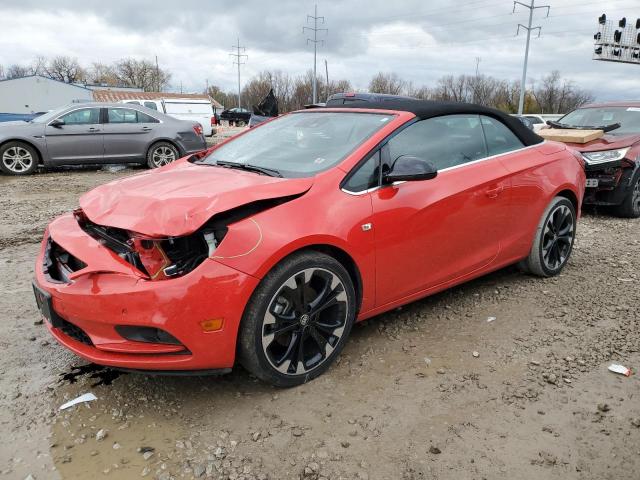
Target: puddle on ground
{"points": [[105, 375]]}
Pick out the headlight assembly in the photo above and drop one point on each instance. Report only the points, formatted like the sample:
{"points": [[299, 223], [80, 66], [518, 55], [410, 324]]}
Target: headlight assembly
{"points": [[606, 156]]}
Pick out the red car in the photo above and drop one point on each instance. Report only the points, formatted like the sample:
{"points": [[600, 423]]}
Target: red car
{"points": [[612, 162], [269, 247]]}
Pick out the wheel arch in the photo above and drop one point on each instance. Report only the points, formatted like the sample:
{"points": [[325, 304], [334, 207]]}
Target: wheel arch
{"points": [[571, 196], [173, 142], [28, 142], [338, 253]]}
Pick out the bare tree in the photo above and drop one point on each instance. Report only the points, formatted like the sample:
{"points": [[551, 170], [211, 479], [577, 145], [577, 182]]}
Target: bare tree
{"points": [[102, 74], [142, 74], [63, 69], [553, 94], [226, 99], [17, 71], [387, 83]]}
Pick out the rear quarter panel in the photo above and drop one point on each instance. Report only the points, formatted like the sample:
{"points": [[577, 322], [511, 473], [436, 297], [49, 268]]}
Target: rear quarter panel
{"points": [[538, 175]]}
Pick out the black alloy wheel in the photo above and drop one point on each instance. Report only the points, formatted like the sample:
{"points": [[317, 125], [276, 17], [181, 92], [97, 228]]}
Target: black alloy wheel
{"points": [[558, 237], [297, 320], [304, 321]]}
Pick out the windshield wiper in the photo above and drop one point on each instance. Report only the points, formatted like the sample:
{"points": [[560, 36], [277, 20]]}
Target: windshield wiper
{"points": [[272, 172], [604, 128]]}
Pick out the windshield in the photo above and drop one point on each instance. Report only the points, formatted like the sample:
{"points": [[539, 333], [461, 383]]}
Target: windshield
{"points": [[627, 117], [300, 144], [49, 115]]}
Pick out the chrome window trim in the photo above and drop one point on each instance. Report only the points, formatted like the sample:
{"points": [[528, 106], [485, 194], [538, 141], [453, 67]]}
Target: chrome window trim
{"points": [[373, 189], [129, 108], [75, 110]]}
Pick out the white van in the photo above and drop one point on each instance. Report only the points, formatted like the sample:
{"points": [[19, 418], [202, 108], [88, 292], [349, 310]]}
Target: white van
{"points": [[196, 110]]}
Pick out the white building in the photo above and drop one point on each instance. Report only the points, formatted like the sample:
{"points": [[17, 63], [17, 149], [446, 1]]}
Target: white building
{"points": [[39, 94]]}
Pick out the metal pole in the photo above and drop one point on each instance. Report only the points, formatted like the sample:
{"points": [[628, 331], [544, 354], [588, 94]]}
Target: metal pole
{"points": [[315, 42], [157, 75], [239, 102], [526, 59], [315, 52], [238, 60], [326, 70], [528, 28]]}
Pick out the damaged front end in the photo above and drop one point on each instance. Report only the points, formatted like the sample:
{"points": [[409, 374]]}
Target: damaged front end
{"points": [[609, 176], [162, 258], [157, 258]]}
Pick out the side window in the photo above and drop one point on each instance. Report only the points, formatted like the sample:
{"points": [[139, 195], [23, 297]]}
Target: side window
{"points": [[144, 118], [534, 120], [86, 116], [122, 115], [446, 141], [151, 105], [500, 138], [366, 175]]}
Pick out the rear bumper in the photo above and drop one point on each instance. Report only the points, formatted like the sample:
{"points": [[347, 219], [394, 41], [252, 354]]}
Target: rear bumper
{"points": [[95, 302]]}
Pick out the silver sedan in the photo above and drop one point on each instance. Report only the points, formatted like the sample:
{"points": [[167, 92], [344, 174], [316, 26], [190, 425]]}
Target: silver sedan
{"points": [[94, 133]]}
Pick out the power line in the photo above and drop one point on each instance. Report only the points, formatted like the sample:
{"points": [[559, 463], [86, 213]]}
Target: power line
{"points": [[315, 42], [238, 61], [528, 28]]}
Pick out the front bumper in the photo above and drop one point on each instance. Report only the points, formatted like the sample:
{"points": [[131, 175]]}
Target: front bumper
{"points": [[614, 182], [109, 292]]}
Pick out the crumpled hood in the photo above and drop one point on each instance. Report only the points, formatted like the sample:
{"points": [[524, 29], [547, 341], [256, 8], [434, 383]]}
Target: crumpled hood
{"points": [[178, 199], [607, 142]]}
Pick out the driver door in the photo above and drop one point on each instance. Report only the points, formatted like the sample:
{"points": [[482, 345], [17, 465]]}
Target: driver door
{"points": [[430, 232], [78, 140]]}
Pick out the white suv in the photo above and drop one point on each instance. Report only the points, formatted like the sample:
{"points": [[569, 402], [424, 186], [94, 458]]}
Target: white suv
{"points": [[195, 110]]}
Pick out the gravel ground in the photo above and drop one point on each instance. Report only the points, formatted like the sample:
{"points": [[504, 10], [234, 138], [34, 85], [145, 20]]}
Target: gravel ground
{"points": [[502, 378]]}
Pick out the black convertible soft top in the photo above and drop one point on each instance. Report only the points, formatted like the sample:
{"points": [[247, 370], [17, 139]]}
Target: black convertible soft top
{"points": [[428, 108]]}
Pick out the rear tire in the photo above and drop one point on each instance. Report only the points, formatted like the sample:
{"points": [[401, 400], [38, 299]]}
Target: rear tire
{"points": [[161, 154], [18, 158], [297, 320], [553, 241], [630, 207]]}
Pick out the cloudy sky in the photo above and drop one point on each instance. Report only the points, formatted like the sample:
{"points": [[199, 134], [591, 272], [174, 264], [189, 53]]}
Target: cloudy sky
{"points": [[420, 40]]}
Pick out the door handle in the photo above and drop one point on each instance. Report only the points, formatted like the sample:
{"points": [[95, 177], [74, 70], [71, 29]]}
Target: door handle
{"points": [[146, 129], [494, 192], [94, 129]]}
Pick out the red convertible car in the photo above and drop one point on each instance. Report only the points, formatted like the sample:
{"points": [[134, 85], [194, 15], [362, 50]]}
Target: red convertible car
{"points": [[268, 247]]}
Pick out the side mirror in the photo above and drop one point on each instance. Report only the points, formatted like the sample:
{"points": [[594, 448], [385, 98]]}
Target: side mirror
{"points": [[57, 123], [407, 168]]}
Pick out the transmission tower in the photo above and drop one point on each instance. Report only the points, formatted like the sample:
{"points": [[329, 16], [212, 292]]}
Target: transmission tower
{"points": [[238, 61], [315, 42], [528, 28]]}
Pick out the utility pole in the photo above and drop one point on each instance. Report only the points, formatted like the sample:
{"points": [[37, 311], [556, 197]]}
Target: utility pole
{"points": [[238, 61], [315, 42], [157, 75], [326, 71], [478, 66], [528, 28]]}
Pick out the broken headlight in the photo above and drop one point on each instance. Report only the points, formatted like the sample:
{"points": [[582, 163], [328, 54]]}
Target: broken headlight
{"points": [[159, 258], [175, 256], [606, 156]]}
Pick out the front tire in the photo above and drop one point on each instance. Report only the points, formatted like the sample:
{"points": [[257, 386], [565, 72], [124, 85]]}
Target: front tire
{"points": [[630, 207], [297, 320], [18, 158], [553, 240], [161, 154]]}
